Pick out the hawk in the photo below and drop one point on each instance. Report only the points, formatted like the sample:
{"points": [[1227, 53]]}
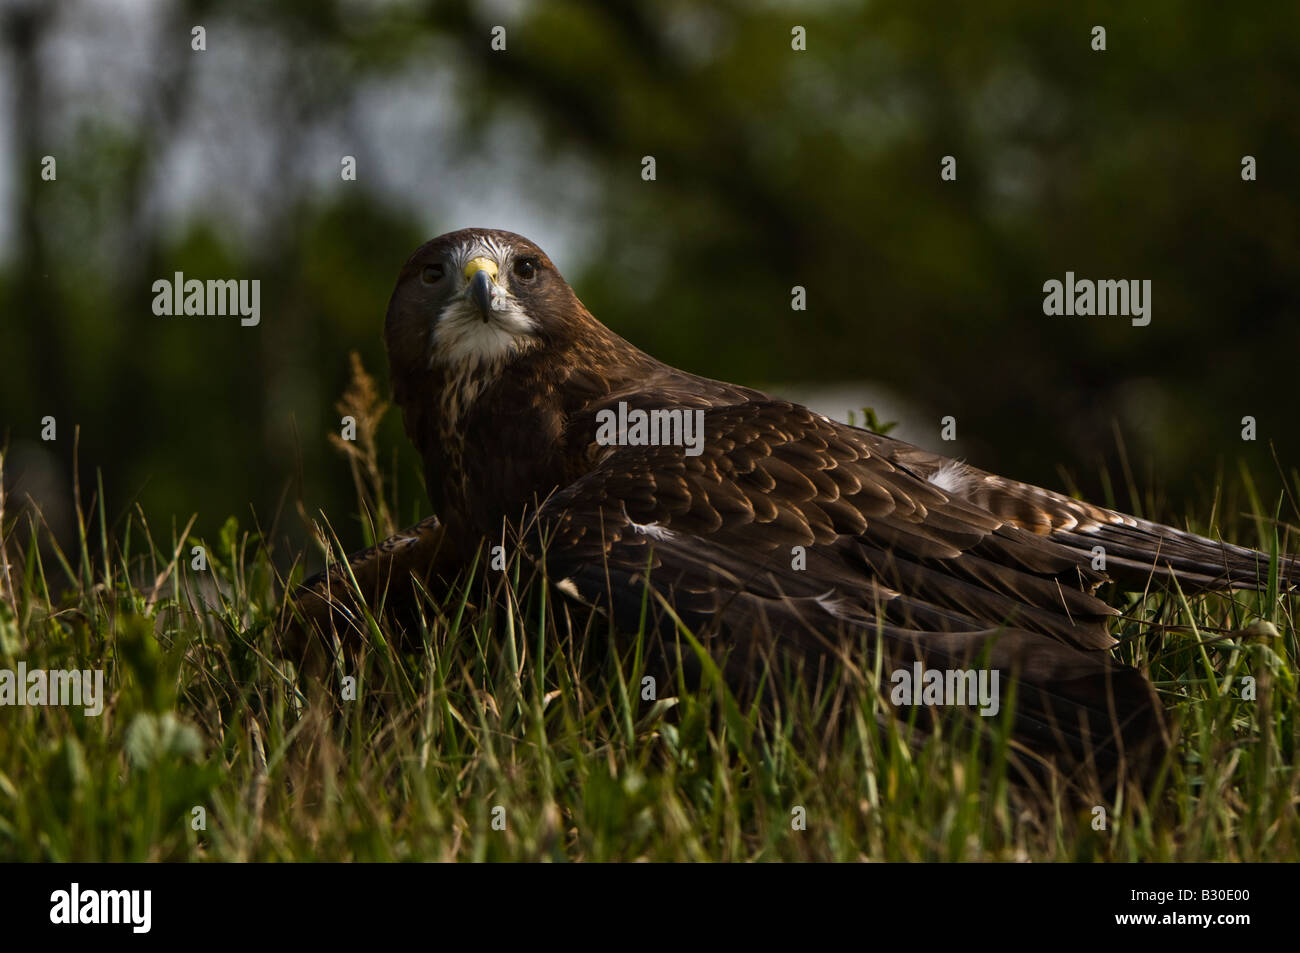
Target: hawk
{"points": [[780, 536]]}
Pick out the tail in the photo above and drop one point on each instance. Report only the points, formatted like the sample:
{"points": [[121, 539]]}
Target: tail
{"points": [[1137, 550]]}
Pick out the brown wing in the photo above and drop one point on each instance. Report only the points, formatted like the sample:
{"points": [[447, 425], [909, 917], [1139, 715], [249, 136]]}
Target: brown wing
{"points": [[1135, 549], [773, 476], [789, 530]]}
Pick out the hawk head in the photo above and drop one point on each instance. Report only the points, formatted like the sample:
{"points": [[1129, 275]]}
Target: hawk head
{"points": [[490, 354], [475, 299]]}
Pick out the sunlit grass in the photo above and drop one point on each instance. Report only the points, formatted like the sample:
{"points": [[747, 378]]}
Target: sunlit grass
{"points": [[483, 720]]}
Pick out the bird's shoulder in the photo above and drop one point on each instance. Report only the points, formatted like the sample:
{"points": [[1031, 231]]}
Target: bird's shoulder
{"points": [[768, 472]]}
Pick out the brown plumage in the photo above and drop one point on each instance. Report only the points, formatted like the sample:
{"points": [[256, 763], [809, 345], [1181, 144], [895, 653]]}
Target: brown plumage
{"points": [[502, 375]]}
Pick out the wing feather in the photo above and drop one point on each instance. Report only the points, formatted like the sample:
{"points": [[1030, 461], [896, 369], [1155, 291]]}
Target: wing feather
{"points": [[888, 555]]}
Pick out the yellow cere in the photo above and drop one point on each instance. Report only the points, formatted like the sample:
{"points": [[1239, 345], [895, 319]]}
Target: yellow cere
{"points": [[481, 264]]}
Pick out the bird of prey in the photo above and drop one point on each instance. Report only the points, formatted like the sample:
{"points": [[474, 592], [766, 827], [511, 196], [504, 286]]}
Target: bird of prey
{"points": [[778, 534]]}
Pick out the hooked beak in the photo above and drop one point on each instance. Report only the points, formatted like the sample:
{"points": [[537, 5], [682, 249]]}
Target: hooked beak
{"points": [[481, 272]]}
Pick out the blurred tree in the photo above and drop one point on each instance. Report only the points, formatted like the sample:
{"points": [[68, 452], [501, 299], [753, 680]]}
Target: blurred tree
{"points": [[775, 168]]}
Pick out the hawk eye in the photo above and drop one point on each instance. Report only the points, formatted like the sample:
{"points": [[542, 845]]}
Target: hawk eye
{"points": [[526, 268], [431, 274]]}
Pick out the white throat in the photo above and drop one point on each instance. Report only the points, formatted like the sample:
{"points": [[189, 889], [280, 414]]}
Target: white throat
{"points": [[461, 337]]}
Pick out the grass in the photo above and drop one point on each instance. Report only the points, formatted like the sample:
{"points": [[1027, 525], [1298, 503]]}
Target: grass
{"points": [[502, 736]]}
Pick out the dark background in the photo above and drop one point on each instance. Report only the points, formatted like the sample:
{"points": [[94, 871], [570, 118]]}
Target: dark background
{"points": [[774, 168]]}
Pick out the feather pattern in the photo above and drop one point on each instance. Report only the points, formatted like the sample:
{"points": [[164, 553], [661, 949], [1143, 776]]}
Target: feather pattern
{"points": [[788, 533]]}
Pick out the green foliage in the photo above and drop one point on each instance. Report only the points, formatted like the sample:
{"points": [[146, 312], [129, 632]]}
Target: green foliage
{"points": [[507, 709], [776, 168], [871, 422]]}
